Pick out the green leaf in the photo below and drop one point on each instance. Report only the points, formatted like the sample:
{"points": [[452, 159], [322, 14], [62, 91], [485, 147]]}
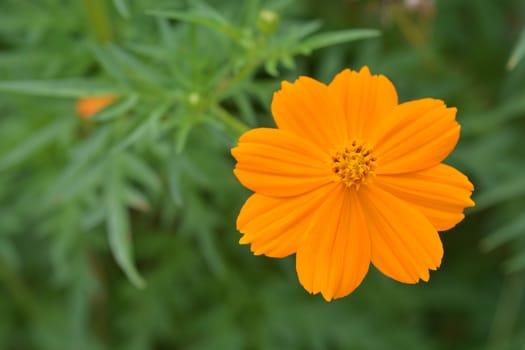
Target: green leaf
{"points": [[512, 230], [518, 52], [84, 169], [168, 38], [92, 146], [118, 223], [73, 88], [70, 187], [138, 170], [181, 136], [333, 38], [136, 199], [245, 106], [134, 68], [516, 263], [215, 23], [152, 52], [9, 253], [93, 217], [271, 67], [203, 8], [296, 33], [122, 8], [33, 143], [174, 167], [511, 109], [499, 193], [143, 127], [109, 64], [21, 57], [208, 246], [288, 61]]}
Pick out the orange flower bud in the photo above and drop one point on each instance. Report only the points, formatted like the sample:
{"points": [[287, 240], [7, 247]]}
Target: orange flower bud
{"points": [[87, 106]]}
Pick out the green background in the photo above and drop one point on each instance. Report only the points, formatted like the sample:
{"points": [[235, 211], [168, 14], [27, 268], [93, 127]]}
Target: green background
{"points": [[118, 232]]}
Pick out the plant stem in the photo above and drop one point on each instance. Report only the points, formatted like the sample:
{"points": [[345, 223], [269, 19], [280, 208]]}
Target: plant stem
{"points": [[99, 21], [19, 290], [507, 311], [248, 69], [235, 124]]}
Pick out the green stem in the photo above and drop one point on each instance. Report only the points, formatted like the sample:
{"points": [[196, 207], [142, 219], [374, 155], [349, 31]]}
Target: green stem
{"points": [[235, 124], [237, 79], [253, 61], [20, 292], [99, 20], [507, 312]]}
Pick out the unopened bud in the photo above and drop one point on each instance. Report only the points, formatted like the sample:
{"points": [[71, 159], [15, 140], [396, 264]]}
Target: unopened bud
{"points": [[268, 21], [194, 99]]}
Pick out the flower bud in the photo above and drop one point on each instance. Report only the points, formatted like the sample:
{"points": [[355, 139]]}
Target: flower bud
{"points": [[87, 106], [268, 21]]}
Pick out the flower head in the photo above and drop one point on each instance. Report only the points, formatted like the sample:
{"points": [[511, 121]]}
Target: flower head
{"points": [[351, 177], [87, 106]]}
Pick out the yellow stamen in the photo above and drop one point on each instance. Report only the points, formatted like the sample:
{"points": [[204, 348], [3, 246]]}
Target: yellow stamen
{"points": [[353, 164]]}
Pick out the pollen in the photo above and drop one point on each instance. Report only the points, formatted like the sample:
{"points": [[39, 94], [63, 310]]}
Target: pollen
{"points": [[353, 164]]}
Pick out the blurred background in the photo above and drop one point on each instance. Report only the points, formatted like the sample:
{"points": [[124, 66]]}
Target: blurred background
{"points": [[117, 230]]}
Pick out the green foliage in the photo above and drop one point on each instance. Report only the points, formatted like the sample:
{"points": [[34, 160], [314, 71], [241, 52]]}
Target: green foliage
{"points": [[118, 231], [518, 52]]}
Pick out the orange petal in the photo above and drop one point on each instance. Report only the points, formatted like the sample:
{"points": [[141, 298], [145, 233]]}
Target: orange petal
{"points": [[88, 106], [405, 245], [439, 193], [366, 99], [416, 135], [278, 163], [334, 255], [274, 226], [309, 109]]}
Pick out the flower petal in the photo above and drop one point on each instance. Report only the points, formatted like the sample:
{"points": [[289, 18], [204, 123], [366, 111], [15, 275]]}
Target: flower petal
{"points": [[309, 109], [366, 99], [278, 163], [405, 245], [87, 106], [275, 226], [334, 255], [439, 193], [416, 135]]}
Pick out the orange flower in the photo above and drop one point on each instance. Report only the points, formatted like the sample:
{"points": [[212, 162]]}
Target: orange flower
{"points": [[350, 177], [88, 106]]}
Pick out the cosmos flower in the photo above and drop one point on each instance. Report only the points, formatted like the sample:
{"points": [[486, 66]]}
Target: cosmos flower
{"points": [[87, 106], [351, 177]]}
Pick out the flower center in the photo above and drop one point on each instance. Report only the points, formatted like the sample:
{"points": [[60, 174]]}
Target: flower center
{"points": [[353, 164]]}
